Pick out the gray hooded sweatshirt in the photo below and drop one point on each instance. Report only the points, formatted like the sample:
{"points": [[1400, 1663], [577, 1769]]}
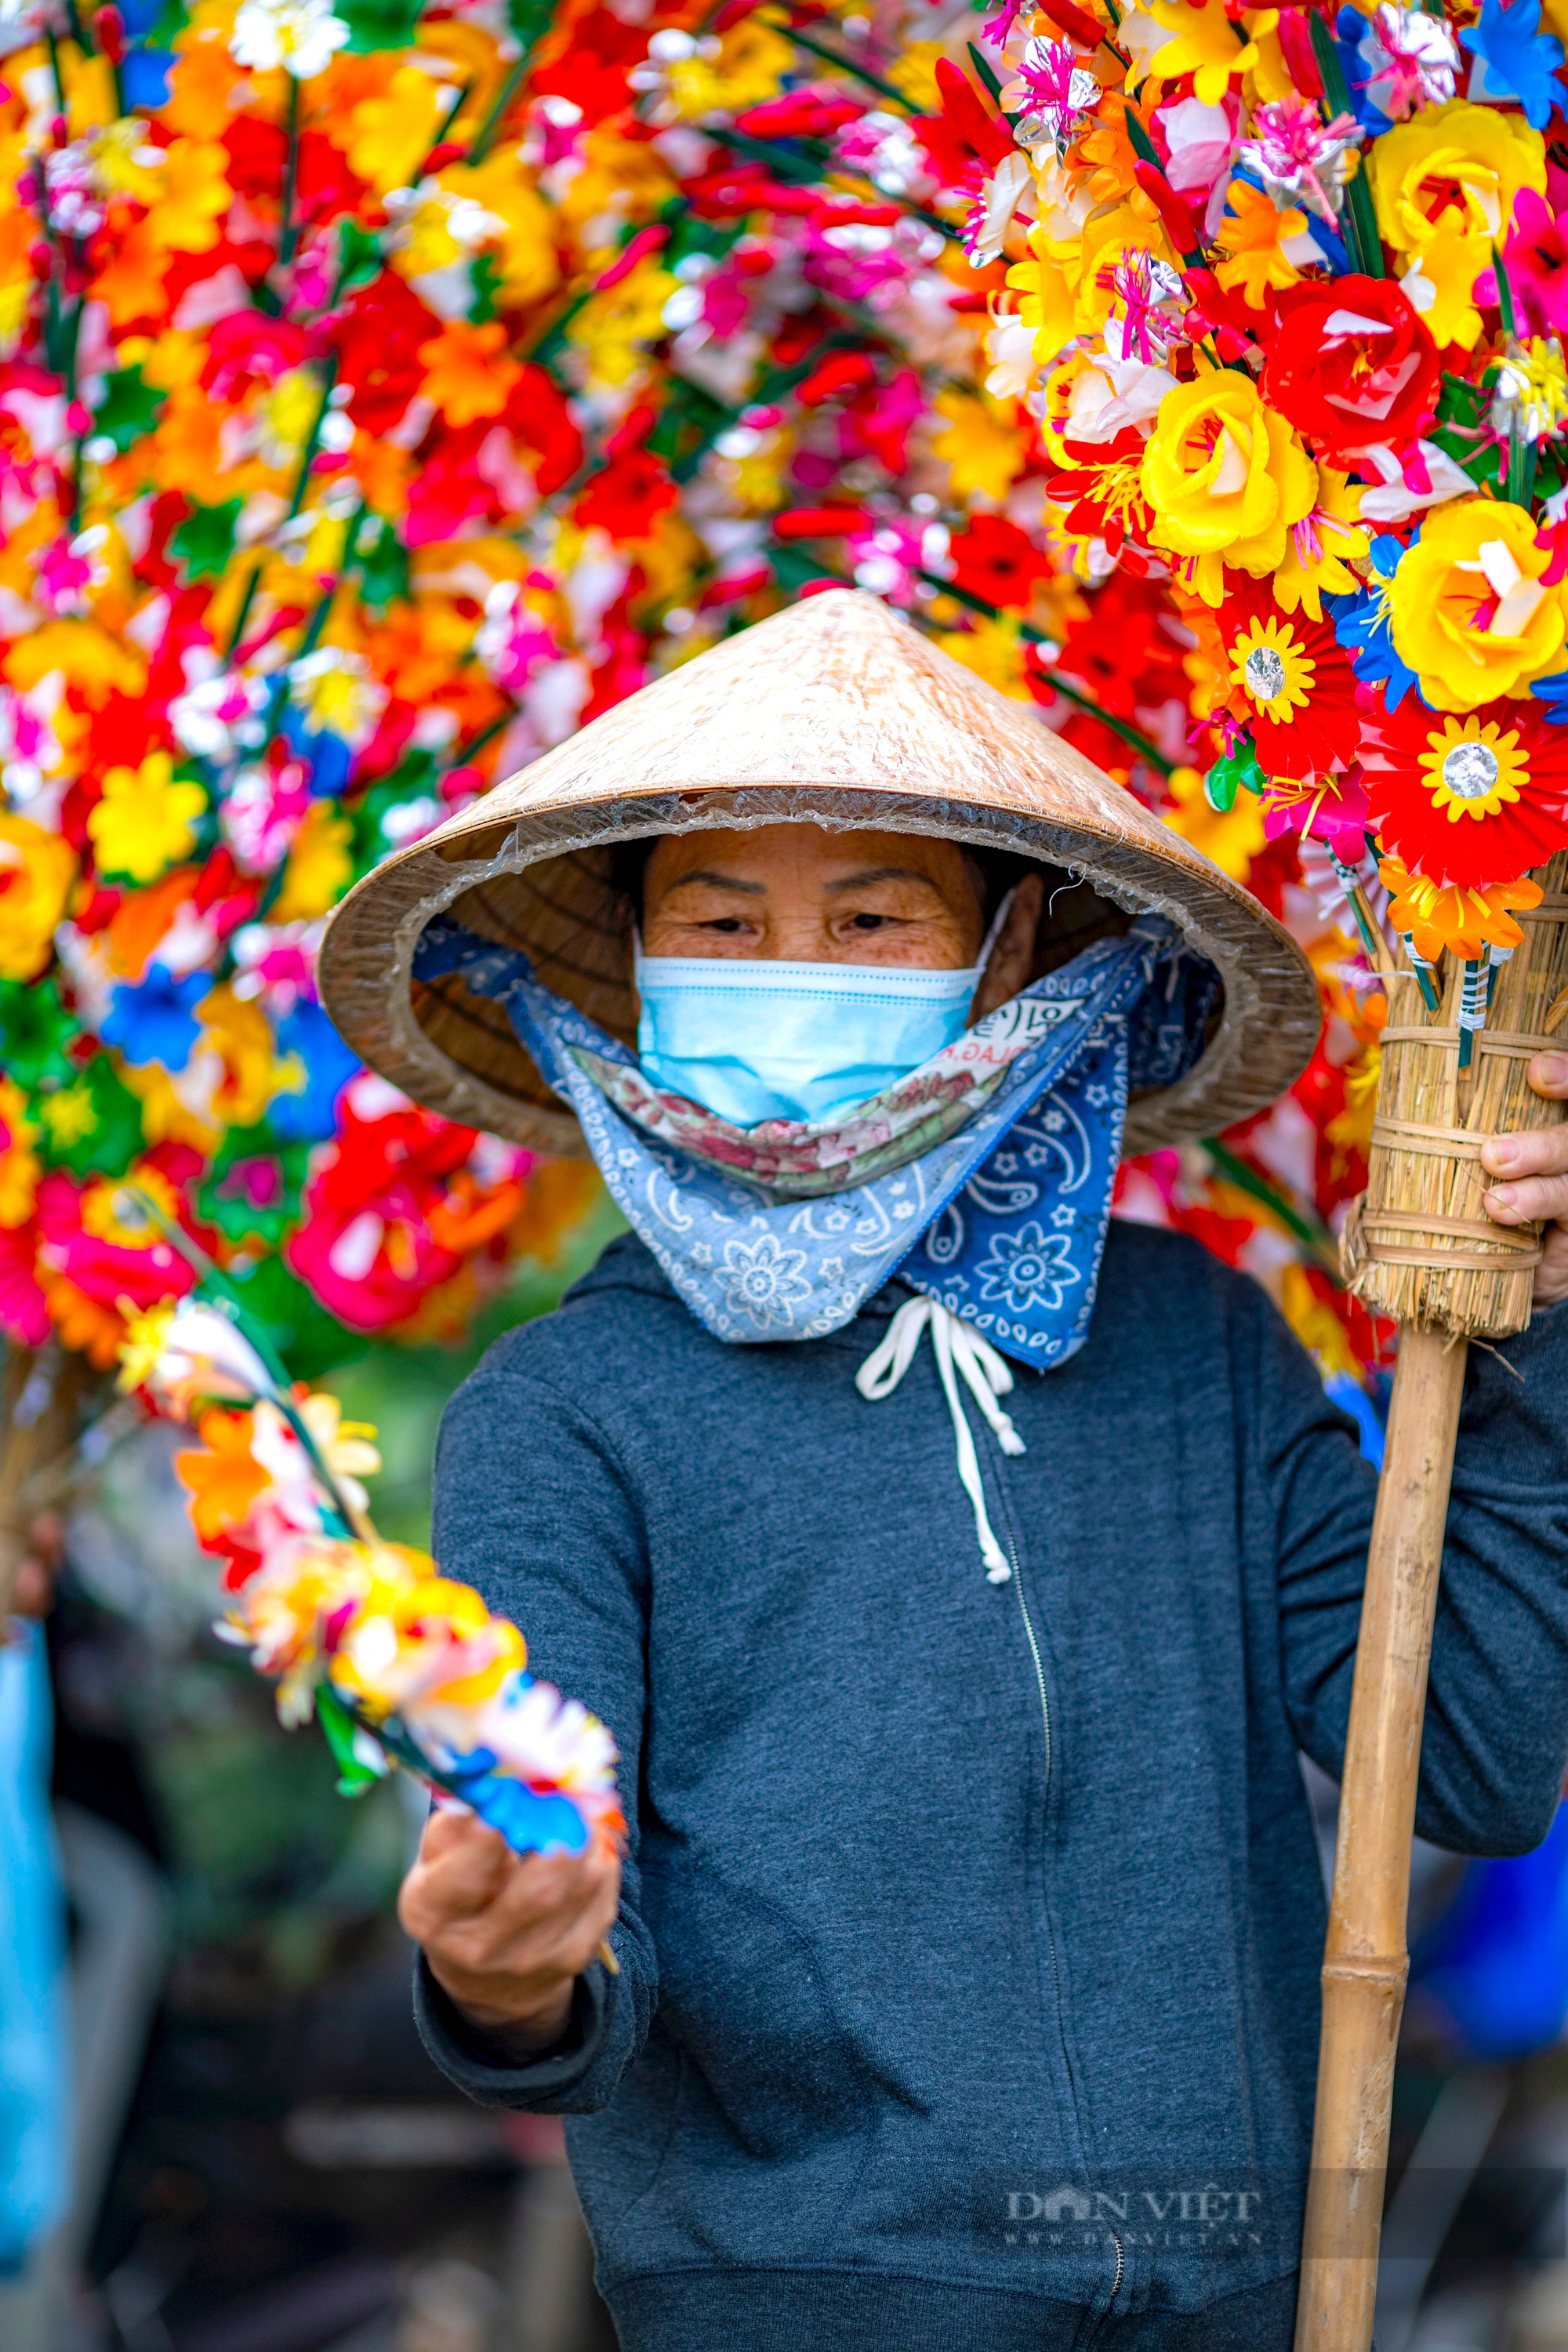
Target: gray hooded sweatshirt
{"points": [[967, 1925]]}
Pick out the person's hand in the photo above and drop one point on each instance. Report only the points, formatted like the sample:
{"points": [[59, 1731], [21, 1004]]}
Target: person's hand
{"points": [[1535, 1167], [507, 1935], [32, 1593]]}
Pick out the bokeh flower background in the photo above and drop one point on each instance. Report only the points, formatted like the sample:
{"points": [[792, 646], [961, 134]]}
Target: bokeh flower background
{"points": [[385, 391]]}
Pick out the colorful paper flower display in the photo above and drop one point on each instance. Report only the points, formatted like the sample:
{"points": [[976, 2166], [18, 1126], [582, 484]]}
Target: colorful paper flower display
{"points": [[386, 390]]}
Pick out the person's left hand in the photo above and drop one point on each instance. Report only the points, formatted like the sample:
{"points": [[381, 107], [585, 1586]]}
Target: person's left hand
{"points": [[1535, 1164]]}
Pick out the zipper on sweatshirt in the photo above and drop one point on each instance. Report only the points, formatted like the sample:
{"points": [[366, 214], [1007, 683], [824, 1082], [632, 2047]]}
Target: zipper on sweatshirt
{"points": [[1040, 1686]]}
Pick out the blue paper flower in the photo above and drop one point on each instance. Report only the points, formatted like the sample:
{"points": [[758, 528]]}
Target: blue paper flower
{"points": [[1359, 56], [1553, 692], [1360, 625], [311, 1116], [1520, 60], [331, 760], [531, 1821], [153, 1019]]}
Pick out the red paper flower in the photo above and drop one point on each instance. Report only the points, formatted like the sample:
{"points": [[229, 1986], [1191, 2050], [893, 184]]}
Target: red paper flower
{"points": [[378, 341], [1352, 366], [993, 558], [85, 1235], [1468, 800], [1292, 685], [24, 1315], [391, 1212], [1102, 491], [627, 496]]}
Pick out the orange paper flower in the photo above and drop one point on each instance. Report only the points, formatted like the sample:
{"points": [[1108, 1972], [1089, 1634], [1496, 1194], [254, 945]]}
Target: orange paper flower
{"points": [[225, 1480], [466, 379]]}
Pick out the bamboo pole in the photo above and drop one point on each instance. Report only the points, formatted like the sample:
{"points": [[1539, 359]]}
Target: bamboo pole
{"points": [[1420, 1247], [1365, 1962]]}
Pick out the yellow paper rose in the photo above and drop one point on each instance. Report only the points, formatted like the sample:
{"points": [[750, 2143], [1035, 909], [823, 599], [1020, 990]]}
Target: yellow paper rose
{"points": [[37, 870], [1226, 477], [1445, 185], [1466, 609]]}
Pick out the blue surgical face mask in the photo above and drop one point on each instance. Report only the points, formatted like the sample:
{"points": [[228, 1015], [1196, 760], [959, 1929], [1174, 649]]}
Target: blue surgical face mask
{"points": [[752, 1039]]}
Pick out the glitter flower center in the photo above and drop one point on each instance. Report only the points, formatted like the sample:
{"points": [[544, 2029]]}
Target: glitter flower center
{"points": [[1269, 667], [1473, 770], [1265, 673], [1470, 771]]}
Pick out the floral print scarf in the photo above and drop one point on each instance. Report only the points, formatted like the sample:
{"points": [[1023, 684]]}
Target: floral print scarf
{"points": [[983, 1180]]}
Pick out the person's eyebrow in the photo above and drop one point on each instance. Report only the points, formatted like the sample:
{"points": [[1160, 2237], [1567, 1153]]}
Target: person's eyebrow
{"points": [[883, 874], [719, 882]]}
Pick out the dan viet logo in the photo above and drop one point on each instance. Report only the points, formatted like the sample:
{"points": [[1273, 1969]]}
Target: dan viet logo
{"points": [[1224, 2216]]}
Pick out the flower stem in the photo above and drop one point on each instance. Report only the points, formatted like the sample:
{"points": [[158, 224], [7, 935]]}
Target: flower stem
{"points": [[1314, 1232], [288, 228], [488, 132], [1359, 220]]}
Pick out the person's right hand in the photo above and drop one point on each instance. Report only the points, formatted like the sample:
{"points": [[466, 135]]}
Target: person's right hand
{"points": [[32, 1593], [507, 1935]]}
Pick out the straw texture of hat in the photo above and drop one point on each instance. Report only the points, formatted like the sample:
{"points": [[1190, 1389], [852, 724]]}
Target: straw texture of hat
{"points": [[835, 712]]}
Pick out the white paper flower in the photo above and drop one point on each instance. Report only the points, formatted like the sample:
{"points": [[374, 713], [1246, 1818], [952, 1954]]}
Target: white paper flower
{"points": [[300, 35], [204, 1354]]}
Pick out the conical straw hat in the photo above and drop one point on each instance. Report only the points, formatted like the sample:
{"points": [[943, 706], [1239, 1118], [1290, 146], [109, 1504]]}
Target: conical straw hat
{"points": [[835, 712]]}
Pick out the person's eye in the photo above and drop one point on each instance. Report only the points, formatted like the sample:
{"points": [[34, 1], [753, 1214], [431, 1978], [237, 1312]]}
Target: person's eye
{"points": [[868, 922], [724, 923]]}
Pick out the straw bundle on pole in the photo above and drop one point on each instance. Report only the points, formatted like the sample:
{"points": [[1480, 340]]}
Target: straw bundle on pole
{"points": [[1420, 1248]]}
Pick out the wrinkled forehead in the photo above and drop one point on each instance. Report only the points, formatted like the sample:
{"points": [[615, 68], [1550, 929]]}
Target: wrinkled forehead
{"points": [[808, 859]]}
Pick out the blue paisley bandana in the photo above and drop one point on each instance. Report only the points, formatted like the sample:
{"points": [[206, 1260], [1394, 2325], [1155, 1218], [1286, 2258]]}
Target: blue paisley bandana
{"points": [[1003, 1222]]}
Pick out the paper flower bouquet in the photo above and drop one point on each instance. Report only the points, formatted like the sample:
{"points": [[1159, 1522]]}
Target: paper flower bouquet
{"points": [[398, 1664]]}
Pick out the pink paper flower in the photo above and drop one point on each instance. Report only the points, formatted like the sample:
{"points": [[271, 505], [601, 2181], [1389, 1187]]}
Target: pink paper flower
{"points": [[1536, 259]]}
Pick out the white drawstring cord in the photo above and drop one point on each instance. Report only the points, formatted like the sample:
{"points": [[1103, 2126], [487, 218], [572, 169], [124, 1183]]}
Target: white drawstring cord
{"points": [[988, 1376]]}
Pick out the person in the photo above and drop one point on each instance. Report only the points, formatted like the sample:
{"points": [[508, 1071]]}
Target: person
{"points": [[33, 2071], [969, 1922]]}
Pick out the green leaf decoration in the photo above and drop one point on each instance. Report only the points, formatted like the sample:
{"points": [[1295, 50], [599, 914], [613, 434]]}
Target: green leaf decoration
{"points": [[92, 1126], [1237, 771], [172, 21], [1462, 430], [359, 256], [251, 1192], [382, 560], [35, 1030], [308, 1339], [690, 422], [413, 778], [529, 19], [205, 540], [485, 273], [129, 409], [380, 24], [345, 1740]]}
